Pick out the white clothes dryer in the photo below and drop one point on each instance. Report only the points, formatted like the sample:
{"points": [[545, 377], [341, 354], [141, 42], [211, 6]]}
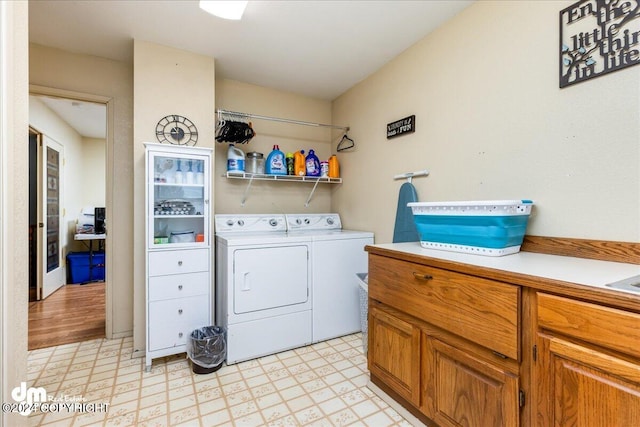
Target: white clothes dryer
{"points": [[263, 285]]}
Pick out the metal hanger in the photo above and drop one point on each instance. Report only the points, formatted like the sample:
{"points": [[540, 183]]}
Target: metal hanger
{"points": [[345, 143]]}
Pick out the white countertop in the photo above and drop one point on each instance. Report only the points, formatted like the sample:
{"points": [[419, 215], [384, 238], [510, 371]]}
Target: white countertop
{"points": [[568, 269]]}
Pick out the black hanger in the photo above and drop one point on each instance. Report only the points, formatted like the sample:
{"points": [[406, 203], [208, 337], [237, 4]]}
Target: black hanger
{"points": [[345, 143]]}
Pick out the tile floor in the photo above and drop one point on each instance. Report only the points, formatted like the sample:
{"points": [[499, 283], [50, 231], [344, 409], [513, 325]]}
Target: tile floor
{"points": [[319, 385]]}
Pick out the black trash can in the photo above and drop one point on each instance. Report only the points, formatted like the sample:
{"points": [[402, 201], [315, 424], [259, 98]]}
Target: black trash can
{"points": [[207, 349]]}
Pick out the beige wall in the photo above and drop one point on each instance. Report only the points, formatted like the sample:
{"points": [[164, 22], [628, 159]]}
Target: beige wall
{"points": [[268, 197], [14, 203], [491, 123], [166, 81], [93, 169], [113, 80]]}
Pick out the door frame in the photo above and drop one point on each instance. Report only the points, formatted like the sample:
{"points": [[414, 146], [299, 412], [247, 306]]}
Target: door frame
{"points": [[109, 190]]}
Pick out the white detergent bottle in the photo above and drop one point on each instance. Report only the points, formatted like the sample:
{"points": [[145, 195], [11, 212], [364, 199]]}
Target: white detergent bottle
{"points": [[235, 159]]}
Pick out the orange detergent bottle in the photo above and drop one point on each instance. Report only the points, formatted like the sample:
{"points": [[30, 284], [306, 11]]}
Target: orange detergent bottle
{"points": [[334, 167], [299, 166]]}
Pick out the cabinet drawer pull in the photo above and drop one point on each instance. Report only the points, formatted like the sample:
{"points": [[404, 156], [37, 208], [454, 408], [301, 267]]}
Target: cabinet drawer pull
{"points": [[179, 287], [179, 311], [422, 276]]}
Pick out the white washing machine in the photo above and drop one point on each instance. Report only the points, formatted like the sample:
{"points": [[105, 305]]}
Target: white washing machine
{"points": [[263, 285], [337, 255]]}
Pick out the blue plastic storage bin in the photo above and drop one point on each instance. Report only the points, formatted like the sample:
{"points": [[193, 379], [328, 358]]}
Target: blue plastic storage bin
{"points": [[492, 228], [78, 263]]}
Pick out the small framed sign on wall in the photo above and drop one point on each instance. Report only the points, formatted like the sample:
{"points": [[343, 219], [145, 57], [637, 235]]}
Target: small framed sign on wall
{"points": [[401, 127], [598, 37]]}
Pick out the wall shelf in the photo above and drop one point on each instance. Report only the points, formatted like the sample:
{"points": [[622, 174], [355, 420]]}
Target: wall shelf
{"points": [[281, 178]]}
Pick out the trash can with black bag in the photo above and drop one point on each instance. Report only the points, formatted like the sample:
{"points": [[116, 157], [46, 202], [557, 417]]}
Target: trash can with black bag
{"points": [[207, 349]]}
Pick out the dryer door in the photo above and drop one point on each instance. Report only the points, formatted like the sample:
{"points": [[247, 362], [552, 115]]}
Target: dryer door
{"points": [[270, 277]]}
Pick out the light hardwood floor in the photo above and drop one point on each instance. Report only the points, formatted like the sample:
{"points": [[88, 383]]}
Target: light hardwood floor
{"points": [[71, 314]]}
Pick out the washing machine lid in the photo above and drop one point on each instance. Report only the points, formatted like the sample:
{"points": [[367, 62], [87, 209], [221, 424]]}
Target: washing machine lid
{"points": [[340, 235]]}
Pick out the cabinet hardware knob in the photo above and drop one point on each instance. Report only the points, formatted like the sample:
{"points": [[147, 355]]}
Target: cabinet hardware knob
{"points": [[180, 311], [422, 276], [179, 262], [180, 335], [179, 287]]}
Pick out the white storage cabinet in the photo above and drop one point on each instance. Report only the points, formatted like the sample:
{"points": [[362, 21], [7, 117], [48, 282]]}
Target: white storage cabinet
{"points": [[178, 272]]}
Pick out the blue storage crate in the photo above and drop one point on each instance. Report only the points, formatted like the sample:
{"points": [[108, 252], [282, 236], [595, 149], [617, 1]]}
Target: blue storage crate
{"points": [[493, 227], [79, 271]]}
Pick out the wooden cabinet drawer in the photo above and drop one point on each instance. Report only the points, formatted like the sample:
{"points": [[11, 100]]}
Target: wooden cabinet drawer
{"points": [[179, 286], [607, 327], [482, 311], [177, 262]]}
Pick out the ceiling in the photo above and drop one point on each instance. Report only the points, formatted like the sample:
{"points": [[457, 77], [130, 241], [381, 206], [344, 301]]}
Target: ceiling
{"points": [[89, 119], [313, 48]]}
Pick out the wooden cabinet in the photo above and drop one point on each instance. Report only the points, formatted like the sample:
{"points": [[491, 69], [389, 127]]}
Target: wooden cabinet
{"points": [[588, 368], [394, 353], [445, 342], [178, 285], [462, 389]]}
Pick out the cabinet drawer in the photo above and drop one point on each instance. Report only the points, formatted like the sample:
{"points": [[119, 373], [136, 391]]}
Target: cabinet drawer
{"points": [[480, 310], [166, 312], [177, 262], [171, 321], [179, 286], [607, 327]]}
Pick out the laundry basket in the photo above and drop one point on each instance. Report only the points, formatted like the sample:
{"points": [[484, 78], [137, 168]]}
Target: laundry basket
{"points": [[363, 281]]}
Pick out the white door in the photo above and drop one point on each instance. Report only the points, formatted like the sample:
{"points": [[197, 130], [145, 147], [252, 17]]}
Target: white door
{"points": [[266, 278], [52, 216]]}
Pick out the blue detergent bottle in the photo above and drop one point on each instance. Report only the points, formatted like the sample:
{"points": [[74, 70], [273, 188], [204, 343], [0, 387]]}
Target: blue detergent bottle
{"points": [[313, 164], [276, 164]]}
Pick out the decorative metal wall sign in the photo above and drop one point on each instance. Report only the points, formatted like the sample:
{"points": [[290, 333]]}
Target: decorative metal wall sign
{"points": [[598, 37], [402, 126]]}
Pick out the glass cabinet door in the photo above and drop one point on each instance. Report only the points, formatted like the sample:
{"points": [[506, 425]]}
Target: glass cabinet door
{"points": [[178, 200]]}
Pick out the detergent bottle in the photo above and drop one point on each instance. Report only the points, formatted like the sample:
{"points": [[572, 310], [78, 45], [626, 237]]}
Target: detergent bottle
{"points": [[235, 159], [313, 164], [276, 164], [334, 167], [290, 164], [299, 163]]}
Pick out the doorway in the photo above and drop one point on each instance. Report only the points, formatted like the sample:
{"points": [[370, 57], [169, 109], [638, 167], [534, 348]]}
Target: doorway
{"points": [[67, 183]]}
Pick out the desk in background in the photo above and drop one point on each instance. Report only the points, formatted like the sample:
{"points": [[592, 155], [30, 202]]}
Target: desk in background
{"points": [[87, 239]]}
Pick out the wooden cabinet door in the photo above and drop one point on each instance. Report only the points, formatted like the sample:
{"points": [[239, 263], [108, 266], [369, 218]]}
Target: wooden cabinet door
{"points": [[394, 353], [461, 389], [579, 386]]}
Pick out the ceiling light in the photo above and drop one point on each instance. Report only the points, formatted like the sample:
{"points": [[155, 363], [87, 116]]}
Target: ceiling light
{"points": [[224, 9]]}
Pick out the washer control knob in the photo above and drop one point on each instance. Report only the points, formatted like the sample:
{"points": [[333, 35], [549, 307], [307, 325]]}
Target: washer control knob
{"points": [[330, 221], [307, 221], [240, 222], [298, 221], [229, 222], [273, 222]]}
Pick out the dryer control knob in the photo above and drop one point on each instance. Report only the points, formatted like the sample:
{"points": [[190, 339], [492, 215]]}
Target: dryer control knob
{"points": [[240, 222], [273, 222], [330, 221], [298, 221], [229, 222], [307, 221]]}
